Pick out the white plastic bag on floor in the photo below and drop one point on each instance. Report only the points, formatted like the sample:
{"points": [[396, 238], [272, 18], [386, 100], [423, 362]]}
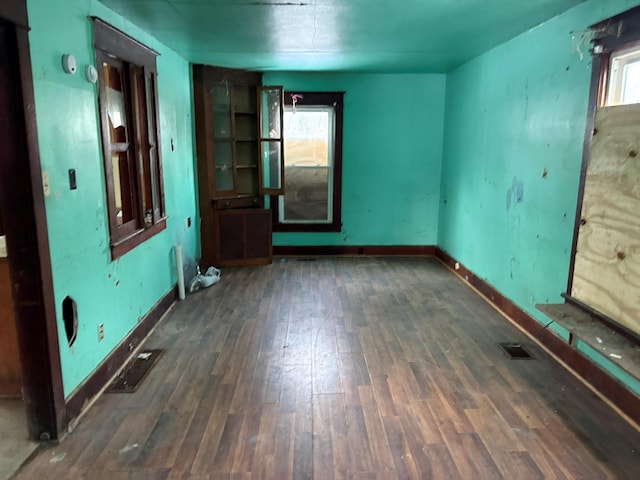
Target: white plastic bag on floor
{"points": [[200, 281]]}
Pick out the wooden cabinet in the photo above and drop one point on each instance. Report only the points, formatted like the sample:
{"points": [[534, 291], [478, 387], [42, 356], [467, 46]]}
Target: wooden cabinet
{"points": [[240, 159], [243, 236]]}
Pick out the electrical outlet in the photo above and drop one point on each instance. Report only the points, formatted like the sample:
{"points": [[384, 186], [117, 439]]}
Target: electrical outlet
{"points": [[100, 332]]}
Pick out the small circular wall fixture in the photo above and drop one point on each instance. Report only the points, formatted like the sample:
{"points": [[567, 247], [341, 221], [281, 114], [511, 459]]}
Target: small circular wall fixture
{"points": [[69, 64], [91, 73]]}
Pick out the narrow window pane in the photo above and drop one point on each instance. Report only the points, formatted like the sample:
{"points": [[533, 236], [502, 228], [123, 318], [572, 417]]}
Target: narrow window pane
{"points": [[122, 183], [144, 167], [308, 135], [115, 102], [271, 101], [271, 164], [153, 151]]}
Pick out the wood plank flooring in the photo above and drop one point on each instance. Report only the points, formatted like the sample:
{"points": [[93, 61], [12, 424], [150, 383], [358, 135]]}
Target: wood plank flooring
{"points": [[344, 368]]}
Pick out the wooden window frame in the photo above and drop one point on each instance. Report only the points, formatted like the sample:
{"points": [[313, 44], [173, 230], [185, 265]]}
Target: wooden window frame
{"points": [[138, 63], [609, 36], [327, 99]]}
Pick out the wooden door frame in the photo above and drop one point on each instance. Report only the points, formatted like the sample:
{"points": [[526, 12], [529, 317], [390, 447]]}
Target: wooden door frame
{"points": [[28, 244]]}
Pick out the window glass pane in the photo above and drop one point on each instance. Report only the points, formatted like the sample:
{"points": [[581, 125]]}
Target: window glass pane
{"points": [[224, 166], [624, 77], [142, 117], [122, 183], [115, 103], [308, 177], [631, 83], [307, 194], [271, 164], [271, 101], [153, 153], [221, 111]]}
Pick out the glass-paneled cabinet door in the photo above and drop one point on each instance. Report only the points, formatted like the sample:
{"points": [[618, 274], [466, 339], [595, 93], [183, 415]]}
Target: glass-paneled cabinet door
{"points": [[223, 151], [271, 141]]}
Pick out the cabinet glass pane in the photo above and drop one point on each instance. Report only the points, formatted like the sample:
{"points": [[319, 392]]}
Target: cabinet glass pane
{"points": [[221, 107], [271, 108], [224, 166], [271, 164]]}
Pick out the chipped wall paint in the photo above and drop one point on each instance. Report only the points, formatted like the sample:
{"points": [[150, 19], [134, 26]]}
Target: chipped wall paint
{"points": [[115, 293], [514, 126], [391, 161]]}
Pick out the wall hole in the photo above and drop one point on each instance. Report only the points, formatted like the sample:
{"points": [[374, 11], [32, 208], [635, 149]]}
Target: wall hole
{"points": [[70, 317]]}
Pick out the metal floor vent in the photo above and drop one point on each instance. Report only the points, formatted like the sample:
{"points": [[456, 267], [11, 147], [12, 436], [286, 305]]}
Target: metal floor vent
{"points": [[132, 375], [515, 351]]}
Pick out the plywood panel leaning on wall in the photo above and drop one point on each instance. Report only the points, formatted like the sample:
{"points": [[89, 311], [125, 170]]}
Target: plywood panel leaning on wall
{"points": [[607, 263]]}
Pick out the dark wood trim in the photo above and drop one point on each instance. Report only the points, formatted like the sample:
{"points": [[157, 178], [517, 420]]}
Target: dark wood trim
{"points": [[118, 357], [336, 99], [15, 11], [614, 32], [596, 81], [27, 242], [125, 238], [115, 42], [608, 387], [354, 250], [125, 245], [231, 76], [50, 326]]}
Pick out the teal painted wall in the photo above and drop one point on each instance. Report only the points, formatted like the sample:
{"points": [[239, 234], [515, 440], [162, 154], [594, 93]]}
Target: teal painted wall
{"points": [[514, 126], [116, 293], [392, 155]]}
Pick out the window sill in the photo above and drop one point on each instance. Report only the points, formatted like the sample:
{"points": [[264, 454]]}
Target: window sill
{"points": [[587, 328], [130, 242]]}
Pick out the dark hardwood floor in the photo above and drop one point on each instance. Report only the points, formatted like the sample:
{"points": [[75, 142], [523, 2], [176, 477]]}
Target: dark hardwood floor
{"points": [[344, 368]]}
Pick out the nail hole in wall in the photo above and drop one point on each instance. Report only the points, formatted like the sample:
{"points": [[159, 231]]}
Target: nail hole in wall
{"points": [[70, 317]]}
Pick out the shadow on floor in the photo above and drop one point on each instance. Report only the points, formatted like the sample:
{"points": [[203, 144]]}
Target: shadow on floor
{"points": [[15, 447]]}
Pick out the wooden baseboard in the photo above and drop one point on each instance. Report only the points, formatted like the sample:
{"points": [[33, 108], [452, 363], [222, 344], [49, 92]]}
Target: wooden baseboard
{"points": [[354, 250], [118, 357], [603, 383]]}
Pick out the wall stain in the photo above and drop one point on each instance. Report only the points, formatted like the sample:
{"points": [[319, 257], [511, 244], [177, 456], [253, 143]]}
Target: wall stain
{"points": [[515, 193]]}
